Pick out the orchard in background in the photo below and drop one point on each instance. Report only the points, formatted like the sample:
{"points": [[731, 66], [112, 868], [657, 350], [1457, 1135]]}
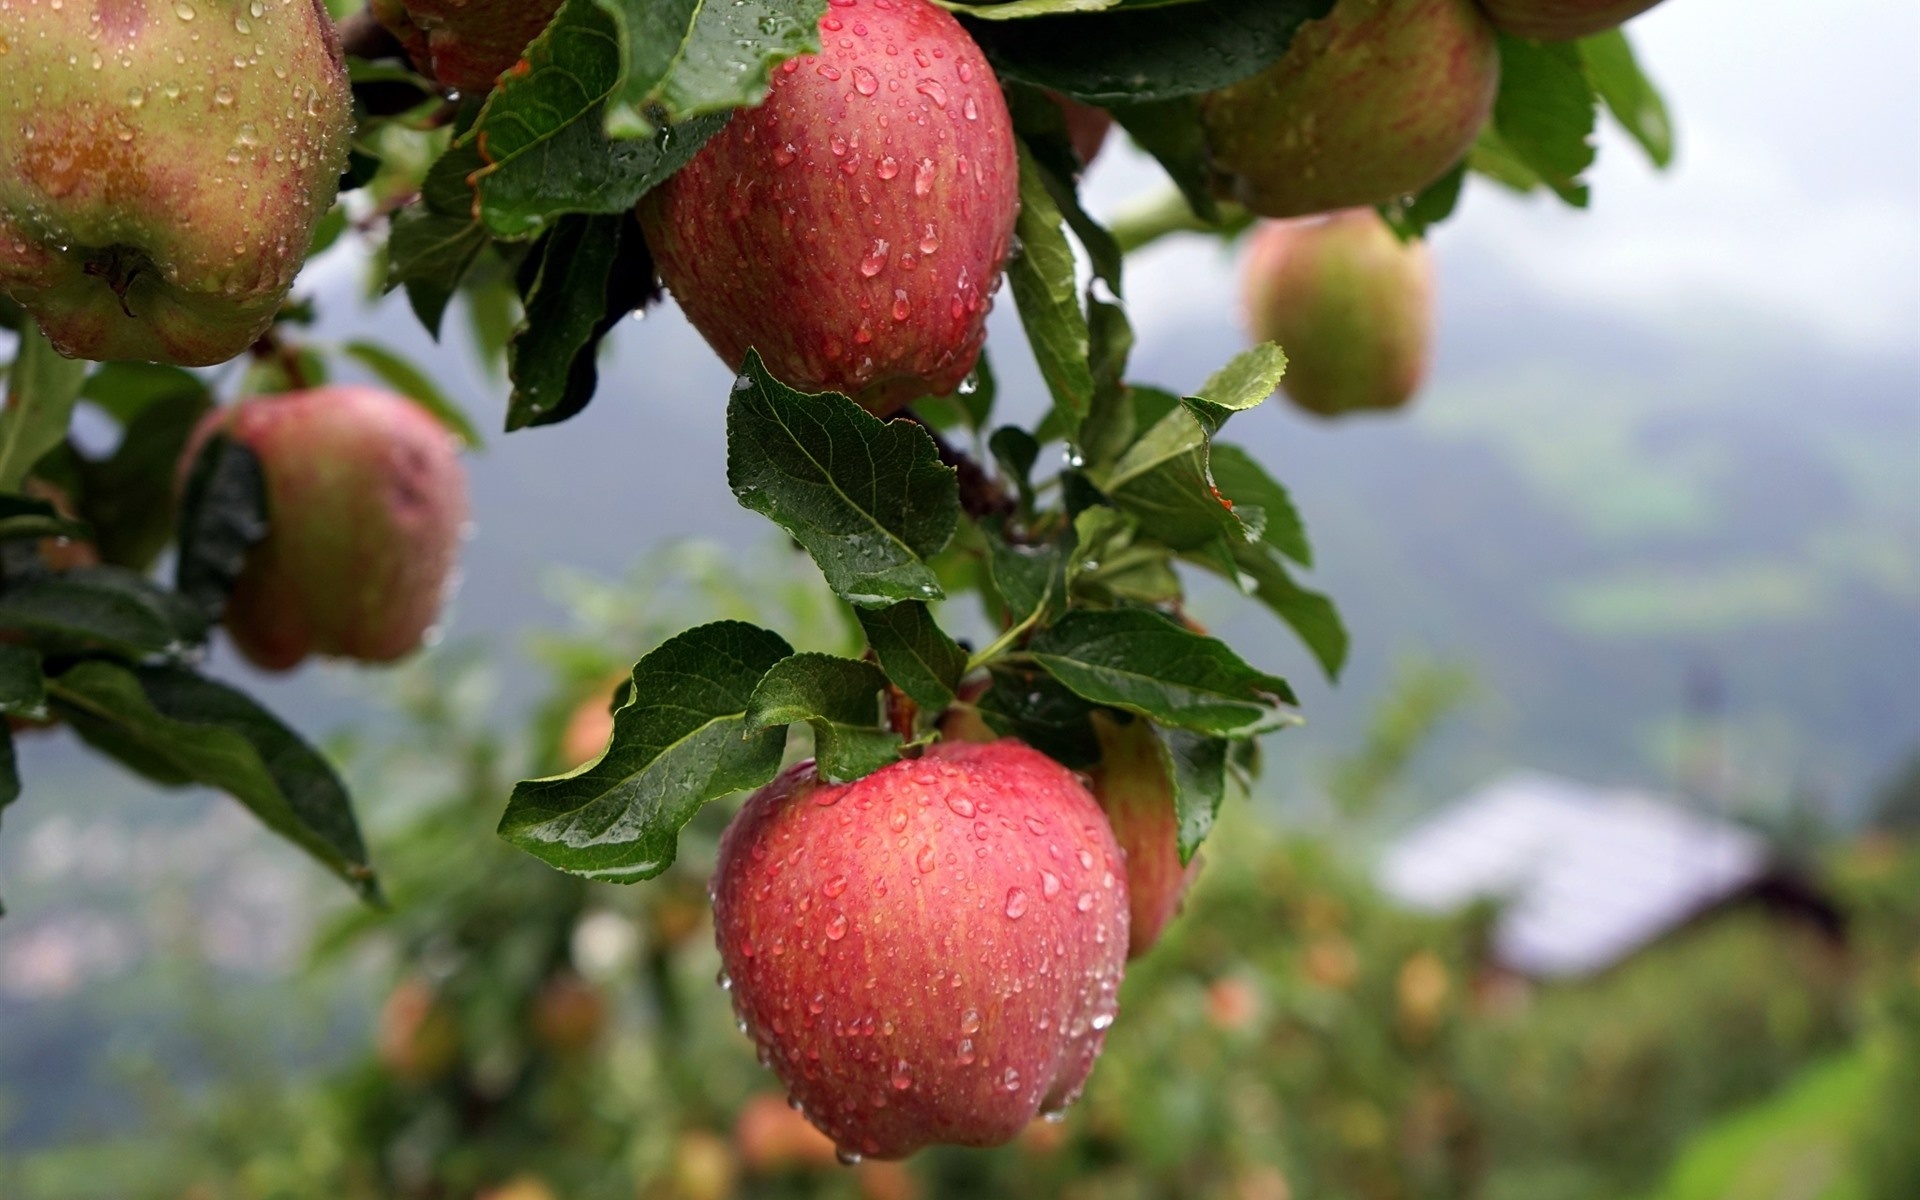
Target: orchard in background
{"points": [[924, 924]]}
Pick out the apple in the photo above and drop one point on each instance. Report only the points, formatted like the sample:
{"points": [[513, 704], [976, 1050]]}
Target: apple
{"points": [[569, 1014], [1132, 787], [418, 1036], [1374, 101], [1561, 20], [853, 227], [1349, 302], [162, 168], [589, 726], [930, 954], [366, 507], [465, 44], [1087, 128]]}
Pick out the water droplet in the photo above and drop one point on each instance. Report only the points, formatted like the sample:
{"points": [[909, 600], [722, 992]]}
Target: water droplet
{"points": [[932, 91], [1085, 902], [969, 111], [1086, 860], [223, 95], [864, 81], [784, 154], [1102, 1020], [1035, 825], [818, 1004], [929, 242], [965, 1056], [833, 887], [902, 1077], [837, 927], [183, 10], [966, 70], [970, 1021], [1049, 884], [848, 1158], [959, 804], [724, 980], [828, 73], [1016, 903], [1010, 1079], [887, 167], [924, 859], [898, 821]]}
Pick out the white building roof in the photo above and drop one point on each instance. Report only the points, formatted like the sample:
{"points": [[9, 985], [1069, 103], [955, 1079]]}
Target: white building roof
{"points": [[1586, 875]]}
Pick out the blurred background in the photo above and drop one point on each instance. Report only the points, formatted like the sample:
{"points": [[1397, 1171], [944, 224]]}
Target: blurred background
{"points": [[1597, 876]]}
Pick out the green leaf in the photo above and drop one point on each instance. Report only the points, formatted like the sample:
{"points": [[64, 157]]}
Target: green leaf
{"points": [[1016, 451], [868, 499], [1165, 480], [413, 383], [23, 517], [542, 134], [1197, 765], [1030, 579], [9, 773], [1630, 96], [102, 608], [1108, 567], [915, 652], [840, 699], [1544, 112], [1309, 614], [1042, 280], [1042, 126], [1238, 475], [22, 690], [1148, 665], [1434, 204], [129, 498], [1011, 10], [1039, 710], [174, 725], [1145, 52], [41, 390], [687, 58], [223, 515], [434, 243], [1246, 381], [584, 276], [1170, 131], [679, 741]]}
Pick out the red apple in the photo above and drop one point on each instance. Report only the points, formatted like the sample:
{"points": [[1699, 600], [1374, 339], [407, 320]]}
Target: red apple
{"points": [[162, 166], [1087, 128], [1350, 303], [465, 44], [853, 227], [1131, 785], [1374, 101], [418, 1039], [930, 954], [569, 1014], [1560, 20], [366, 502]]}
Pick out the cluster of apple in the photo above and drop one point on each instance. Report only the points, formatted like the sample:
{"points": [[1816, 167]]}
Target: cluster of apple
{"points": [[928, 954]]}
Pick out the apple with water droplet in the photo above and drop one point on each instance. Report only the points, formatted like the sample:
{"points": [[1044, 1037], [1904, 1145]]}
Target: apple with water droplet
{"points": [[1561, 20], [853, 227], [163, 164], [465, 44], [366, 507], [931, 954], [1349, 302], [1372, 102]]}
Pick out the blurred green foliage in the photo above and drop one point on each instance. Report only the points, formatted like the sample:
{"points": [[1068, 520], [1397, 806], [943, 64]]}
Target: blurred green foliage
{"points": [[1294, 1036]]}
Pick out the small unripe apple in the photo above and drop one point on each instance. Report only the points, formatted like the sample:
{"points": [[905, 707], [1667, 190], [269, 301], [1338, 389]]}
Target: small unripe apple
{"points": [[930, 954], [163, 164], [770, 1136], [853, 227], [569, 1014], [418, 1037], [1132, 787], [1561, 20], [590, 726], [1374, 101], [465, 44], [366, 503], [1087, 128], [1349, 302]]}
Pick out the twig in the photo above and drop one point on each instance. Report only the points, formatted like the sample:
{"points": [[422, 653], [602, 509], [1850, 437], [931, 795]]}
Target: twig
{"points": [[981, 495]]}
